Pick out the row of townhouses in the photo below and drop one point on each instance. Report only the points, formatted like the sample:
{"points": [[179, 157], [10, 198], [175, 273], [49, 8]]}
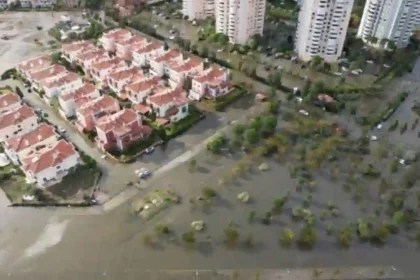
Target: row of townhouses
{"points": [[117, 65], [35, 146]]}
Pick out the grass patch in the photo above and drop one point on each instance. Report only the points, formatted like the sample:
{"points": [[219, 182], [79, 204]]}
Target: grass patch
{"points": [[220, 103], [183, 125], [13, 183], [81, 178]]}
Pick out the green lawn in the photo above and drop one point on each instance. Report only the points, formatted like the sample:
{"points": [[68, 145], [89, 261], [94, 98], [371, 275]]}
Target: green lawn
{"points": [[82, 178], [183, 125], [220, 103], [13, 183]]}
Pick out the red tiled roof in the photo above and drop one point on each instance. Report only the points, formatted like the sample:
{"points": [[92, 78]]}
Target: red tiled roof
{"points": [[48, 73], [148, 48], [68, 78], [8, 99], [17, 116], [85, 89], [34, 63], [97, 105], [136, 39], [49, 158], [209, 75], [107, 64], [169, 55], [19, 143], [117, 122], [125, 74], [175, 95], [143, 85], [76, 46], [185, 65], [116, 33], [142, 109], [91, 54]]}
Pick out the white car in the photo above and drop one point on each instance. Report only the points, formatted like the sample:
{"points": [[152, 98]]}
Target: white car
{"points": [[379, 126], [149, 150], [28, 198], [304, 112], [62, 130], [373, 138], [171, 37], [103, 157], [142, 173], [219, 50]]}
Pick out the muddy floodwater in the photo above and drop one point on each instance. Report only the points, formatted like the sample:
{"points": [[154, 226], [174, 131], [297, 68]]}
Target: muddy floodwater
{"points": [[50, 242], [18, 32]]}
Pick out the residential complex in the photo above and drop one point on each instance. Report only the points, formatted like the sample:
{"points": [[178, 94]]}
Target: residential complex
{"points": [[390, 20], [238, 19], [322, 28], [122, 68]]}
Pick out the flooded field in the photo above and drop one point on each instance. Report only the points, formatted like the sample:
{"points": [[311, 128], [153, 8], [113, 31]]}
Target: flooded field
{"points": [[113, 243], [18, 32]]}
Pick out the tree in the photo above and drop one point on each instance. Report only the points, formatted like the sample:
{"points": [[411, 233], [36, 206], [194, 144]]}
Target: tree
{"points": [[278, 204], [56, 57], [307, 237], [286, 237], [192, 164], [398, 218], [345, 237], [274, 79], [380, 234], [251, 136], [238, 129], [251, 216], [147, 239], [188, 237], [316, 60], [249, 240], [231, 236], [161, 229], [208, 192], [363, 230], [269, 124], [267, 218]]}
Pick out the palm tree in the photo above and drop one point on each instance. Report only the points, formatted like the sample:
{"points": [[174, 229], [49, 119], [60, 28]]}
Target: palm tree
{"points": [[345, 237]]}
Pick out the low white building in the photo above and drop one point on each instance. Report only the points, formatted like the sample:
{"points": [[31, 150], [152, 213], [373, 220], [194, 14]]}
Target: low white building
{"points": [[86, 59], [177, 71], [100, 71], [55, 86], [213, 82], [20, 147], [169, 104], [69, 99], [55, 71], [159, 64], [72, 50], [48, 166], [138, 91], [109, 38], [142, 55], [17, 122], [124, 48], [119, 79], [32, 65]]}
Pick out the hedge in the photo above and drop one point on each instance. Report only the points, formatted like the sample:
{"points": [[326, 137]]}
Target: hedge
{"points": [[8, 74]]}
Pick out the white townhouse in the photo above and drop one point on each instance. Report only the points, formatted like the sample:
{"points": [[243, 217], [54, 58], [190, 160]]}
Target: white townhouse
{"points": [[17, 122]]}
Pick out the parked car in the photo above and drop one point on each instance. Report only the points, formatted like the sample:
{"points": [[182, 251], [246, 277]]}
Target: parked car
{"points": [[149, 150], [28, 198], [62, 130], [142, 173], [304, 112]]}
